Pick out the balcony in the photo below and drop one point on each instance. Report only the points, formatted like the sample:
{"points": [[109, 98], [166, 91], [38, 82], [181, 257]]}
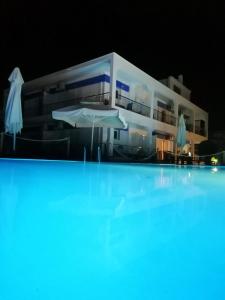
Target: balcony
{"points": [[164, 117], [189, 127], [200, 127], [134, 106], [50, 102], [200, 131]]}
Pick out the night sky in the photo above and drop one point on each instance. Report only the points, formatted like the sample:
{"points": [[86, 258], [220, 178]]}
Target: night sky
{"points": [[162, 39]]}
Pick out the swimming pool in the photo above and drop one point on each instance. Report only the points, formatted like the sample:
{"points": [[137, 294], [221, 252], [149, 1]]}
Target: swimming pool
{"points": [[70, 230]]}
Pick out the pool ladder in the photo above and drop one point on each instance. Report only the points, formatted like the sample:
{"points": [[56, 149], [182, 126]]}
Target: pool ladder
{"points": [[85, 154], [99, 154]]}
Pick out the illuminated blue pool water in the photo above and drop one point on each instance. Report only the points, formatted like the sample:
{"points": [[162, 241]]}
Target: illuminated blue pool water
{"points": [[70, 230]]}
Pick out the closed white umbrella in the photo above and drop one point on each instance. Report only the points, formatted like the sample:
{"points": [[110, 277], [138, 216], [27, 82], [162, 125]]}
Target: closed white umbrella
{"points": [[181, 132], [90, 116], [13, 111]]}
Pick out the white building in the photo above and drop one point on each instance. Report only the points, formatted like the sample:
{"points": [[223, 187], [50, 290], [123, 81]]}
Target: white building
{"points": [[151, 108]]}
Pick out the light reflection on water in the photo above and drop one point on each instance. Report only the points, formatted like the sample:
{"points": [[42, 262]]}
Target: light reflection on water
{"points": [[103, 231]]}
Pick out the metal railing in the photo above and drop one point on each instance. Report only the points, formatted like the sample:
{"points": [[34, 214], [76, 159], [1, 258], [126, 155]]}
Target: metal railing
{"points": [[164, 117], [103, 98], [132, 105], [99, 98], [189, 127], [127, 148], [200, 131], [133, 153]]}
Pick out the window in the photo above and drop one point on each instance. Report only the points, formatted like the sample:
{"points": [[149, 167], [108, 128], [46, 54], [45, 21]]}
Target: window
{"points": [[118, 94], [164, 105], [116, 134]]}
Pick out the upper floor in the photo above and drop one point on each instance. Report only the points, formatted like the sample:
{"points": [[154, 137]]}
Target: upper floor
{"points": [[114, 81], [177, 85]]}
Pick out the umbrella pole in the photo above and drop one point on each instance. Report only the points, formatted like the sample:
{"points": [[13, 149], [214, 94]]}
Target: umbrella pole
{"points": [[175, 160], [92, 138], [2, 142], [14, 142]]}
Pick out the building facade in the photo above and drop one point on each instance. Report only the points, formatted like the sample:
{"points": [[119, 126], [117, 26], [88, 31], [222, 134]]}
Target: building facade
{"points": [[150, 107]]}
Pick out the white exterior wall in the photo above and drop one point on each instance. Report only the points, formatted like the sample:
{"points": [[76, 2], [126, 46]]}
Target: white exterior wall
{"points": [[142, 88], [156, 87], [185, 92]]}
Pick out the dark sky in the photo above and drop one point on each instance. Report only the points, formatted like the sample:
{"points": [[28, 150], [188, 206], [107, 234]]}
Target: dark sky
{"points": [[163, 39]]}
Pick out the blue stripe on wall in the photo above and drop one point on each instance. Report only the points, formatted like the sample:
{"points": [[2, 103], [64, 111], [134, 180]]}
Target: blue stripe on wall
{"points": [[107, 78], [85, 82], [97, 79], [122, 86]]}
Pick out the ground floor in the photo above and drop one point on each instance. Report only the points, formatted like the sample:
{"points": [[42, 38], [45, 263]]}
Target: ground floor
{"points": [[137, 142]]}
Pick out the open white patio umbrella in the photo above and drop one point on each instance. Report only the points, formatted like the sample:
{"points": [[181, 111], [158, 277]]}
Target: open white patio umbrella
{"points": [[13, 111], [90, 116], [181, 132]]}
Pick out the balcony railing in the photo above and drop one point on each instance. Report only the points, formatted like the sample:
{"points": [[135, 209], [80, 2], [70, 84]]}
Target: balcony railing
{"points": [[164, 117], [104, 98], [189, 127], [200, 131], [45, 106], [132, 105]]}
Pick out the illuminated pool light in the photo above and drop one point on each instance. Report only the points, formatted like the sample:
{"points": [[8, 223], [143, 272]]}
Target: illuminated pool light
{"points": [[215, 169]]}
